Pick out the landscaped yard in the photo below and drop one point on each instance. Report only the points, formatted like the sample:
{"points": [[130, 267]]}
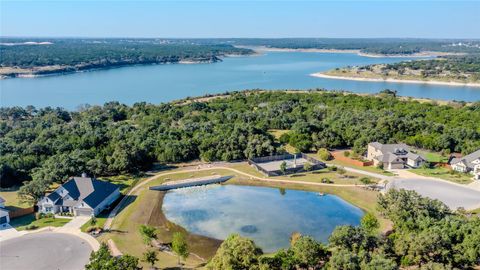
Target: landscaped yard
{"points": [[431, 156], [22, 223], [446, 174]]}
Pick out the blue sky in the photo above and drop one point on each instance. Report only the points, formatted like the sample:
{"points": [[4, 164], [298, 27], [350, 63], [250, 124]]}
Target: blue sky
{"points": [[228, 18]]}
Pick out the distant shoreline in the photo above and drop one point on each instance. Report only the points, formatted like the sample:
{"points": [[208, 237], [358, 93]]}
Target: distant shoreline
{"points": [[325, 76], [358, 52], [64, 70]]}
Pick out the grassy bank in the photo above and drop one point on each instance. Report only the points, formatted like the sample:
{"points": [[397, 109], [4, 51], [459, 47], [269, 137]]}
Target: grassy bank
{"points": [[145, 207]]}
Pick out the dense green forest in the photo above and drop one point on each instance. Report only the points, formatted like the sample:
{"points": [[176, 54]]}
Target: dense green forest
{"points": [[453, 65], [387, 46], [67, 55], [53, 143], [426, 235]]}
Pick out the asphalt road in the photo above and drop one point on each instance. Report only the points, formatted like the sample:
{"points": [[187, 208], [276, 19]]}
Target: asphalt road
{"points": [[44, 251], [451, 194]]}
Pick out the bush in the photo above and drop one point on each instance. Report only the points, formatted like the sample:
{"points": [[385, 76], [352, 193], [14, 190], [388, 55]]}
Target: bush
{"points": [[327, 181], [93, 229], [38, 216], [346, 153], [324, 154], [31, 227], [332, 168]]}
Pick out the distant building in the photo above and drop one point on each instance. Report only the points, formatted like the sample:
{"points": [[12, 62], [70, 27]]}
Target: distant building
{"points": [[469, 163], [4, 216], [80, 196], [393, 156]]}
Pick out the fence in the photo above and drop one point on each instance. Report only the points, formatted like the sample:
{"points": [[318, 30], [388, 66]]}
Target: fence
{"points": [[316, 165], [20, 212]]}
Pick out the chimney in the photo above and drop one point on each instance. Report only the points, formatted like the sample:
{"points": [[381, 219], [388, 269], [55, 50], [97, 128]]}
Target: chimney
{"points": [[84, 175]]}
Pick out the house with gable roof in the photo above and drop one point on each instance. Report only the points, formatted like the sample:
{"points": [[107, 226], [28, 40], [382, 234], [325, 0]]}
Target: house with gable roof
{"points": [[80, 196], [468, 164], [393, 156]]}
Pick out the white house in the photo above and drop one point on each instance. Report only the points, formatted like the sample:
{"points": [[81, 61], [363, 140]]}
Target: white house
{"points": [[80, 196], [393, 156], [469, 163], [4, 216]]}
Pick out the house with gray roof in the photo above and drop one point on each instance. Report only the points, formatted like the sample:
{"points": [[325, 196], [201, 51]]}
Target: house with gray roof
{"points": [[393, 156], [469, 163], [80, 196]]}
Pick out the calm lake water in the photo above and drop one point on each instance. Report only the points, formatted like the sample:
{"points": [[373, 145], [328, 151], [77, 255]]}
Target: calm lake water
{"points": [[161, 83], [263, 214]]}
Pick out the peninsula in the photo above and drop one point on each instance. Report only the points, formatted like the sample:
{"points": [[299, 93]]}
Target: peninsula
{"points": [[452, 70]]}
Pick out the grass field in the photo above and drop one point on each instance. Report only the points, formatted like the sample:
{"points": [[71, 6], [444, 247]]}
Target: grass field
{"points": [[145, 208], [11, 198], [445, 173], [21, 223]]}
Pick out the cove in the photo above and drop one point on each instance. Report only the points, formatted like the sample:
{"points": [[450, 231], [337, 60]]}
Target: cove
{"points": [[267, 215], [163, 83]]}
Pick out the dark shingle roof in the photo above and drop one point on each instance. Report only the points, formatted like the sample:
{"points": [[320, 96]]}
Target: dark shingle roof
{"points": [[90, 190], [101, 190]]}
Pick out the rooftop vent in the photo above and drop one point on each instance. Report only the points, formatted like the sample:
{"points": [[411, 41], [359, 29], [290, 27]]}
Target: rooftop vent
{"points": [[84, 175]]}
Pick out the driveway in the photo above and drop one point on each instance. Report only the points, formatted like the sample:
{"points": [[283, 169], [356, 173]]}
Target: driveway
{"points": [[44, 251], [453, 195]]}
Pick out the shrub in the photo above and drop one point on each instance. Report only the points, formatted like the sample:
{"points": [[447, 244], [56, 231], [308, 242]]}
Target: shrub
{"points": [[332, 168], [93, 229], [31, 227], [324, 154], [346, 153], [38, 216]]}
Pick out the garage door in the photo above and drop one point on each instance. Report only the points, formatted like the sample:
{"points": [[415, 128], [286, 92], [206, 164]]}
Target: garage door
{"points": [[83, 212], [3, 219]]}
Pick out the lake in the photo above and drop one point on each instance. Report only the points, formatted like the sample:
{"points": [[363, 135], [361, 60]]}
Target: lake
{"points": [[267, 215], [162, 83]]}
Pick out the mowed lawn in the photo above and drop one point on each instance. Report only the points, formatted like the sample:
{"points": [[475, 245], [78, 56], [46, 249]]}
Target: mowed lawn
{"points": [[23, 223], [445, 174], [145, 208]]}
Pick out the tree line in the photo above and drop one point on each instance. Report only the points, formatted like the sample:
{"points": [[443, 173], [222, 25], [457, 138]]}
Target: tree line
{"points": [[50, 144]]}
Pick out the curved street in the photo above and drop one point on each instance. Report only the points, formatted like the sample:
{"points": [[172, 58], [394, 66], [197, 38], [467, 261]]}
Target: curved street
{"points": [[44, 251]]}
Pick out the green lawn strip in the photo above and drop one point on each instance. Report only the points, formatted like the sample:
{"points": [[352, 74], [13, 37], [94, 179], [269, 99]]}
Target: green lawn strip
{"points": [[125, 182], [21, 223], [100, 222], [445, 174]]}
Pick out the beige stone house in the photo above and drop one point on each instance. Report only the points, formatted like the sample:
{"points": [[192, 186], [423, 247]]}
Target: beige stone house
{"points": [[393, 156]]}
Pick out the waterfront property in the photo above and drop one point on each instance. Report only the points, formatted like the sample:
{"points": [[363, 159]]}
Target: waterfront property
{"points": [[393, 156], [80, 196], [469, 163], [272, 165], [4, 213]]}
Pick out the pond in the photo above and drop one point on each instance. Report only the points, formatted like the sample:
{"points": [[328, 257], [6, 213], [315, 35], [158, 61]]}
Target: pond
{"points": [[267, 215]]}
